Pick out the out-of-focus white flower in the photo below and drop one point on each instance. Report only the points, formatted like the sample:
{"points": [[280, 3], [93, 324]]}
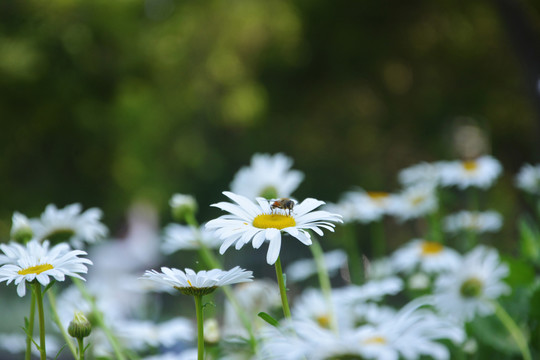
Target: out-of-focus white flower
{"points": [[419, 281], [430, 257], [476, 221], [247, 222], [313, 306], [424, 173], [481, 172], [469, 289], [184, 237], [198, 283], [140, 335], [189, 354], [268, 176], [182, 206], [70, 224], [21, 230], [380, 268], [373, 290], [39, 263], [16, 343], [528, 178], [413, 202], [304, 268], [253, 297], [362, 206]]}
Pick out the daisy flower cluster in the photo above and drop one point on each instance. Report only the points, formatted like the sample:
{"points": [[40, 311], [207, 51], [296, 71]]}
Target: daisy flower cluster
{"points": [[308, 279]]}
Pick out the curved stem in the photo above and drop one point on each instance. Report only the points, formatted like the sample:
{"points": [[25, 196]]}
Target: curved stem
{"points": [[80, 342], [282, 289], [56, 318], [200, 327], [41, 316], [514, 330], [324, 281], [30, 329], [98, 315]]}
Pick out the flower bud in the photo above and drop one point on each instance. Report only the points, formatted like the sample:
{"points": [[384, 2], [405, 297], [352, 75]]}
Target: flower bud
{"points": [[211, 331], [21, 231], [183, 206], [79, 327]]}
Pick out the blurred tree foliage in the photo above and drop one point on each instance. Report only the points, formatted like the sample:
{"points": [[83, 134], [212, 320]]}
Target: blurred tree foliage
{"points": [[103, 102]]}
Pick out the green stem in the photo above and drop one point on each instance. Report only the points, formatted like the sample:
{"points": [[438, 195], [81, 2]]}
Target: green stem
{"points": [[98, 315], [282, 289], [514, 330], [377, 239], [30, 329], [435, 232], [81, 348], [324, 281], [56, 318], [356, 267], [41, 316], [200, 327]]}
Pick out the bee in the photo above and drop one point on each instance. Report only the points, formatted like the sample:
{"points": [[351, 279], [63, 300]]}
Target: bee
{"points": [[284, 204]]}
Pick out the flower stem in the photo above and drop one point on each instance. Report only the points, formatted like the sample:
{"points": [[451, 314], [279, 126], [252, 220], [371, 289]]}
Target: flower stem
{"points": [[56, 318], [513, 329], [41, 316], [378, 242], [324, 281], [98, 315], [354, 257], [282, 289], [200, 327], [81, 348], [30, 329]]}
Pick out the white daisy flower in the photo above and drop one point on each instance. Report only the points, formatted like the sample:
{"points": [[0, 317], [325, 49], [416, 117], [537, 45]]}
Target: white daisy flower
{"points": [[477, 221], [141, 335], [430, 257], [39, 263], [469, 289], [268, 176], [21, 230], [182, 205], [247, 222], [200, 283], [413, 202], [362, 206], [481, 172], [183, 237], [528, 178], [304, 268], [70, 224], [423, 173], [373, 290], [16, 343], [312, 306]]}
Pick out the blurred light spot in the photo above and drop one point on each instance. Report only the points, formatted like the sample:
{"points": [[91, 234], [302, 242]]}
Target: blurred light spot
{"points": [[76, 38], [469, 140], [397, 77], [243, 104], [19, 58]]}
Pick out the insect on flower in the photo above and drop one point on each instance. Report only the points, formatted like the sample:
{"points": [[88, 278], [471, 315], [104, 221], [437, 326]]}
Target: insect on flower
{"points": [[282, 203]]}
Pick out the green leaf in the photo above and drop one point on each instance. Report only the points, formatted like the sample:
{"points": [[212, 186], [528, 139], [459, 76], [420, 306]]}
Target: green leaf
{"points": [[491, 332], [49, 286], [269, 319], [59, 351], [521, 273]]}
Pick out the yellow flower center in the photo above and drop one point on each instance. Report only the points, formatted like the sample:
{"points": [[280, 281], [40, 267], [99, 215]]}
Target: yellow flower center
{"points": [[377, 195], [470, 165], [375, 340], [431, 248], [276, 221], [323, 321], [38, 269]]}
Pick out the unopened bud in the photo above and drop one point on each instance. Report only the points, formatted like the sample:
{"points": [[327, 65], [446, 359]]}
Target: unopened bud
{"points": [[79, 327], [21, 231], [183, 206]]}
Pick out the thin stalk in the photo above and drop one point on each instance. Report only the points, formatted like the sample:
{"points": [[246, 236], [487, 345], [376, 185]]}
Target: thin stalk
{"points": [[80, 342], [56, 318], [41, 316], [282, 289], [324, 281], [435, 232], [118, 351], [30, 329], [378, 243], [356, 268], [513, 329], [200, 327]]}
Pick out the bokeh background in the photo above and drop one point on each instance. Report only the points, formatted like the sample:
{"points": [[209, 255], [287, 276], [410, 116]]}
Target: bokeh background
{"points": [[108, 103]]}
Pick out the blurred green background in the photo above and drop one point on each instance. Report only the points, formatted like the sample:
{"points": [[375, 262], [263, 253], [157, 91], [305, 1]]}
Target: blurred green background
{"points": [[106, 102]]}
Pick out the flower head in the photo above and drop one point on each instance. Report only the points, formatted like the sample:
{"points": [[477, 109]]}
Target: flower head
{"points": [[37, 263], [413, 202], [467, 291], [475, 221], [427, 256], [21, 230], [268, 176], [182, 206], [257, 223], [70, 224], [481, 172], [362, 206], [528, 178], [183, 237], [200, 283]]}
